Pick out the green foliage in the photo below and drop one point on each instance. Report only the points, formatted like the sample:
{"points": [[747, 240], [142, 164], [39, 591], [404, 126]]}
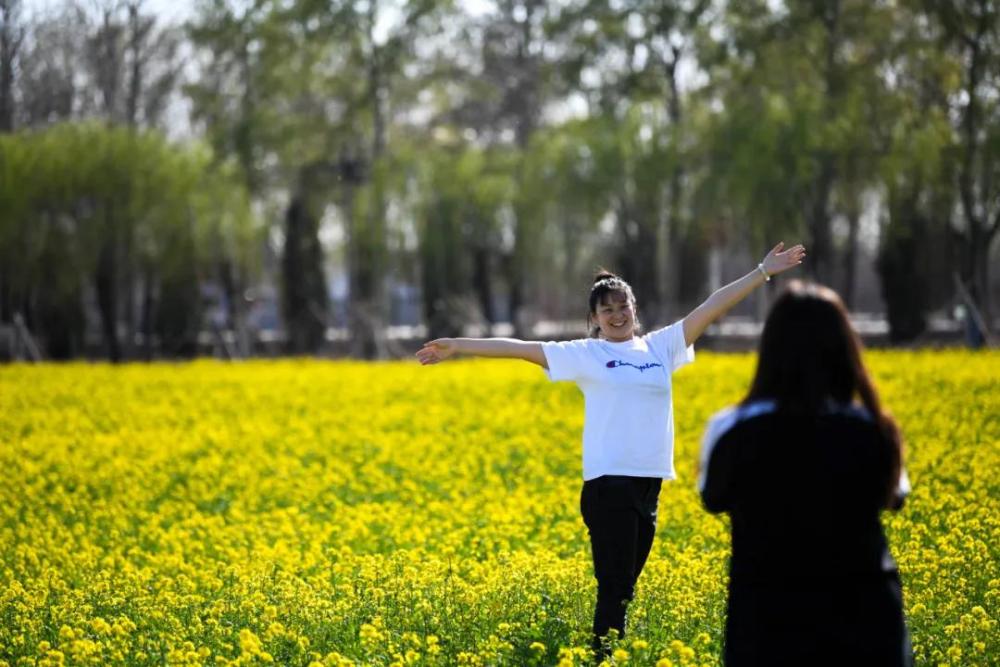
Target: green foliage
{"points": [[508, 151], [78, 190], [465, 194]]}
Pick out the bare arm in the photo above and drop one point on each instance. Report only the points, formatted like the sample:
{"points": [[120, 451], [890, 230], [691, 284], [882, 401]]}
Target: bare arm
{"points": [[506, 348], [726, 297]]}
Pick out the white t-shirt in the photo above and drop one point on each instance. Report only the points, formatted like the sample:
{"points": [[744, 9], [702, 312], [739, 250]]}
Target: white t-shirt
{"points": [[628, 425]]}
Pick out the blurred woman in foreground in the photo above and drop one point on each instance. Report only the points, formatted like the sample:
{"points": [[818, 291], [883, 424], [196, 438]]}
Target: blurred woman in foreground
{"points": [[803, 466]]}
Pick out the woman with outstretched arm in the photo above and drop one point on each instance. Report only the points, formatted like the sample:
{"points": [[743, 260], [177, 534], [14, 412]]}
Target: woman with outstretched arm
{"points": [[628, 431]]}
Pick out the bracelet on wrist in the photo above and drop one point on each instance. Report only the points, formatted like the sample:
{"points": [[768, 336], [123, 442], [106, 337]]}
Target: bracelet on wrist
{"points": [[763, 272]]}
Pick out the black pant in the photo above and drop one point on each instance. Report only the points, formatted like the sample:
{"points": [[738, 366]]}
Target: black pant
{"points": [[620, 513]]}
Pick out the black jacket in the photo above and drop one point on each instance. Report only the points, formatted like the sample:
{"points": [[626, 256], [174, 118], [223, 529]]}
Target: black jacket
{"points": [[810, 569]]}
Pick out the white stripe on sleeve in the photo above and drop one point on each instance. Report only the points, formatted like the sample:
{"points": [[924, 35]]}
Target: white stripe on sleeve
{"points": [[719, 424]]}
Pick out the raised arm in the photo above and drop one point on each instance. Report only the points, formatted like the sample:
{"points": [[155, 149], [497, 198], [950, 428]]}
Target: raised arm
{"points": [[724, 298], [508, 348]]}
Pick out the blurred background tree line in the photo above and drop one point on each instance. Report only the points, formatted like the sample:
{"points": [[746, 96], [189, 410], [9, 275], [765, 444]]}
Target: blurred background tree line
{"points": [[362, 163]]}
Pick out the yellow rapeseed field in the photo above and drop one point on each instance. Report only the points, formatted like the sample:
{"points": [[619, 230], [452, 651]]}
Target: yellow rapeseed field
{"points": [[339, 513]]}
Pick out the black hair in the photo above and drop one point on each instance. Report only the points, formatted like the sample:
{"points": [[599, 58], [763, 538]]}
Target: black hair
{"points": [[809, 354], [606, 283]]}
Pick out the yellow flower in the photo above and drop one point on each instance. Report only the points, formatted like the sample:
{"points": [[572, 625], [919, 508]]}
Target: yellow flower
{"points": [[329, 504], [100, 626], [249, 642]]}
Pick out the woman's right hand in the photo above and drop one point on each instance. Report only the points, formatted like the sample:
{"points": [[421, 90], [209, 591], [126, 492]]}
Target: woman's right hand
{"points": [[437, 350]]}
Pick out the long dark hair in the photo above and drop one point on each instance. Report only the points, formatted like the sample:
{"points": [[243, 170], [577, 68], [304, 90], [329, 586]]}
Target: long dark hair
{"points": [[810, 355], [605, 284]]}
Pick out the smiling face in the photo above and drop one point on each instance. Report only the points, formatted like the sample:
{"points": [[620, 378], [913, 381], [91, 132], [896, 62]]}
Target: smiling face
{"points": [[615, 316]]}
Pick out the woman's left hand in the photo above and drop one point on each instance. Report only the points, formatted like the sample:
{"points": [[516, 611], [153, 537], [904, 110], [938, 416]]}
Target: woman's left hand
{"points": [[779, 260]]}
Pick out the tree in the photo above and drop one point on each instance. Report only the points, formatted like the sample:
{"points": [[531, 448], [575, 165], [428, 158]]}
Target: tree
{"points": [[49, 75], [625, 58], [11, 37], [69, 186], [915, 172], [503, 77], [383, 60], [464, 189], [304, 296], [800, 92], [970, 32], [308, 88], [120, 66]]}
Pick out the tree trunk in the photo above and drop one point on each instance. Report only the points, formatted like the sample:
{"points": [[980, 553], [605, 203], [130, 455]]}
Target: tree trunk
{"points": [[147, 317], [441, 270], [669, 224], [127, 286], [6, 294], [106, 283], [233, 287], [515, 284], [481, 263], [11, 36], [820, 241], [975, 208], [637, 255], [821, 250], [851, 255], [243, 135], [366, 321], [691, 253], [134, 91], [108, 64], [978, 275], [367, 289], [305, 300], [902, 267], [59, 308], [526, 104]]}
